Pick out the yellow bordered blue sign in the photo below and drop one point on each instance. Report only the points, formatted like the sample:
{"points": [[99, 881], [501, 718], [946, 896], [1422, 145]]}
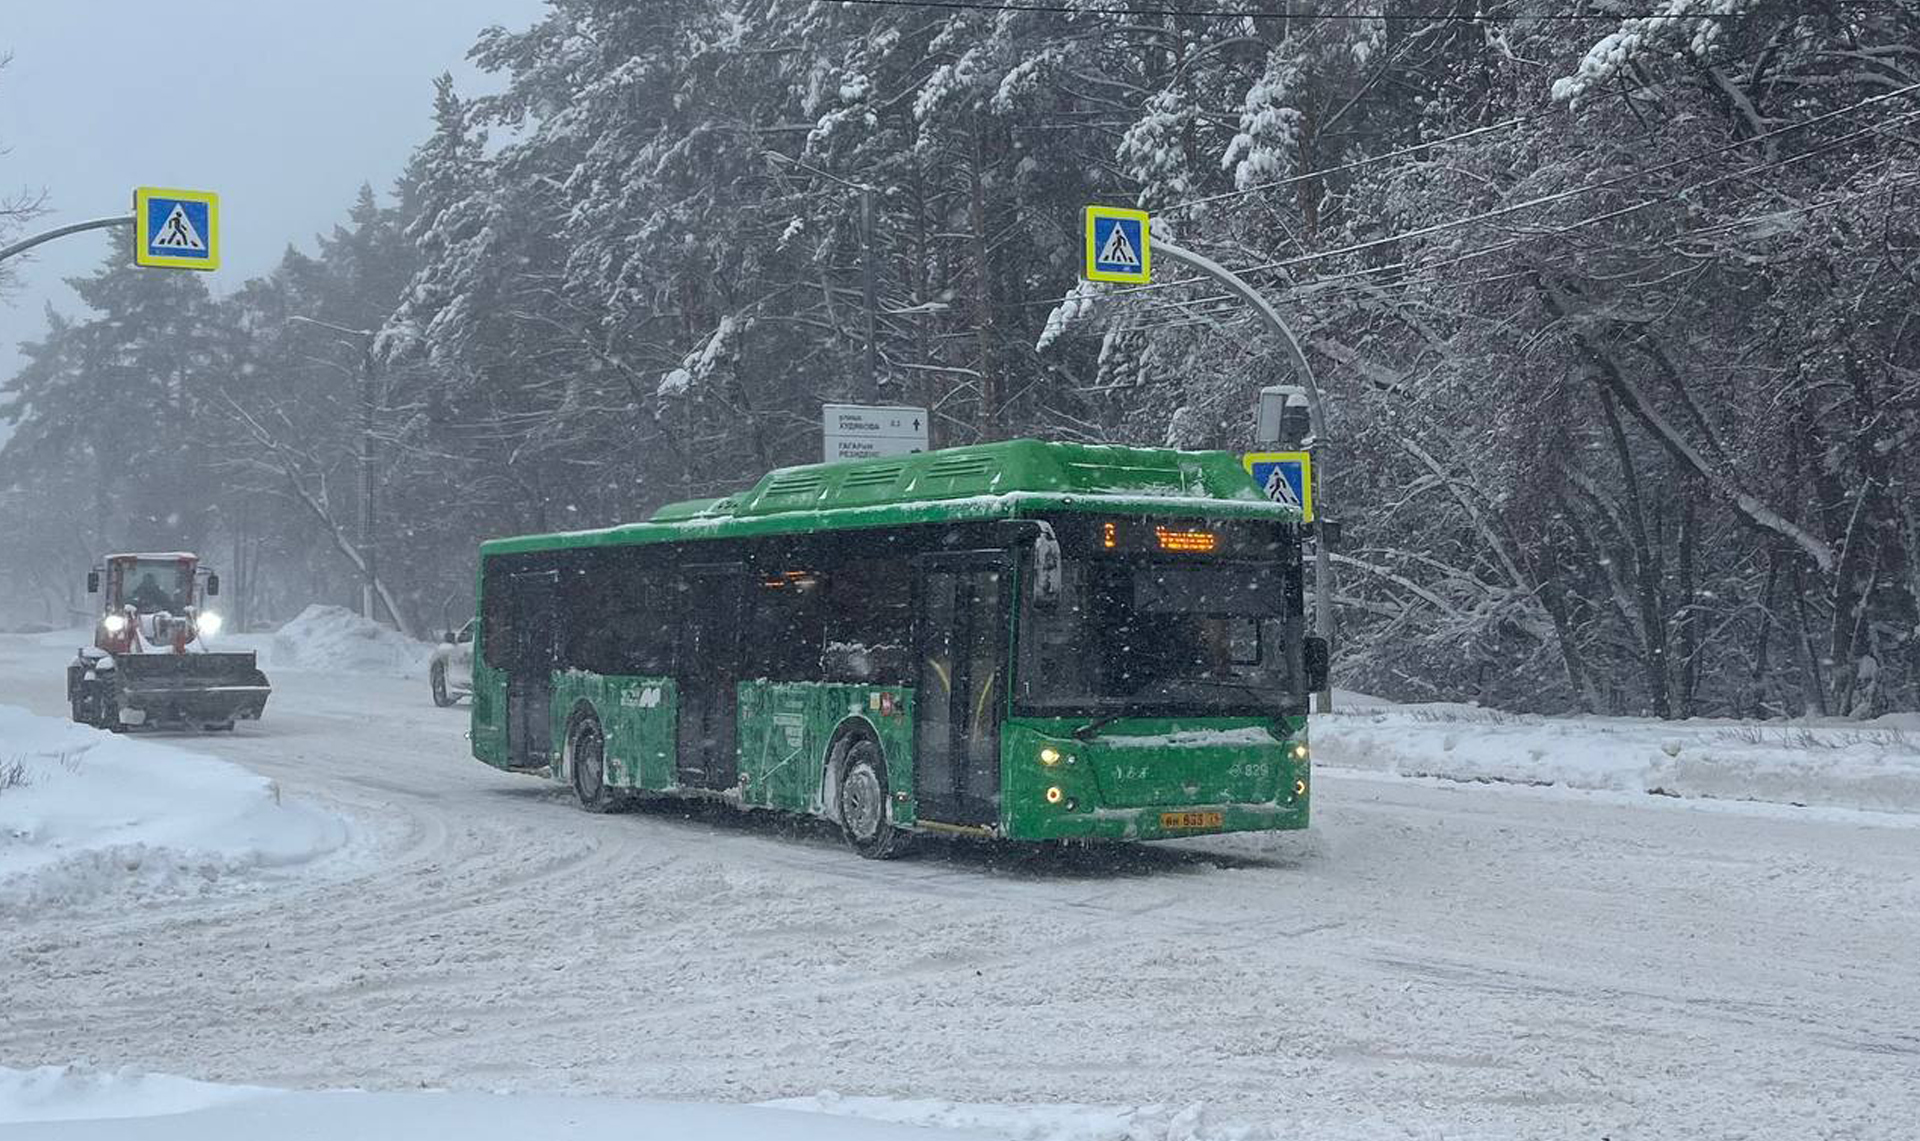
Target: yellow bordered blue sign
{"points": [[1286, 477], [176, 229], [1119, 245]]}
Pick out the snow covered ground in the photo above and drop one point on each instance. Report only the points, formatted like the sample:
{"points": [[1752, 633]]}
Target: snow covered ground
{"points": [[94, 814], [1873, 766], [76, 1103], [1437, 958]]}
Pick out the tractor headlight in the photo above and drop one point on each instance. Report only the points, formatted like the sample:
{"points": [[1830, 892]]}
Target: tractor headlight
{"points": [[114, 623], [207, 624]]}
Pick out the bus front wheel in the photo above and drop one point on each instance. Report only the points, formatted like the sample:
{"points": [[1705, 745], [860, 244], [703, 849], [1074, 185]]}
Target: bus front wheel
{"points": [[587, 763], [863, 805]]}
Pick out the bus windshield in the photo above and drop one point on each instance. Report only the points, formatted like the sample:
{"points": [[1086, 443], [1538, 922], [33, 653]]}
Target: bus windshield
{"points": [[1160, 638]]}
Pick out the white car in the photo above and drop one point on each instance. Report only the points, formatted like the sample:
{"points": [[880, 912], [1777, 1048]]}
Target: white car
{"points": [[450, 671]]}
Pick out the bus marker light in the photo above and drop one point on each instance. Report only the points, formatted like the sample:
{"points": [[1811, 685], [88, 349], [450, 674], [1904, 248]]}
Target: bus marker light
{"points": [[1299, 788], [1054, 794], [1049, 756]]}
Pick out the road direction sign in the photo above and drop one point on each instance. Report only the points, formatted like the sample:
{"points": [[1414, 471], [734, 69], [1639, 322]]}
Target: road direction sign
{"points": [[176, 229], [1119, 246], [863, 431], [1286, 477]]}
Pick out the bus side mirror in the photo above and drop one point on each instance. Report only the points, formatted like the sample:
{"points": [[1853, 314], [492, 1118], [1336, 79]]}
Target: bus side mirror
{"points": [[93, 582], [1046, 568], [213, 586], [1317, 657]]}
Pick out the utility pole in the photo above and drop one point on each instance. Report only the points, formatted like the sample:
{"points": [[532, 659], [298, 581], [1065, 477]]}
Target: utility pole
{"points": [[873, 305], [1317, 418], [871, 388]]}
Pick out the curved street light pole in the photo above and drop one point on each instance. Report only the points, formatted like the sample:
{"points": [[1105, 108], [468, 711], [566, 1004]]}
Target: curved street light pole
{"points": [[1317, 418], [25, 244]]}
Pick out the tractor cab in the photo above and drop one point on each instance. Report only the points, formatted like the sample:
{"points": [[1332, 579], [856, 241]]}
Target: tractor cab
{"points": [[158, 601]]}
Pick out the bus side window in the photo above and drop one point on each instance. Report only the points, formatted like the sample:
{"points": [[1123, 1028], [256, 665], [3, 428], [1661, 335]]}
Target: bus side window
{"points": [[869, 623], [783, 625], [497, 637]]}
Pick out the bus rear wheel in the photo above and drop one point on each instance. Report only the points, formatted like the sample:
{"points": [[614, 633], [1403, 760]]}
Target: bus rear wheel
{"points": [[863, 805], [587, 762]]}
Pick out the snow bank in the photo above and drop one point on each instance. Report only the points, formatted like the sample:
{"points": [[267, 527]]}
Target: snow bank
{"points": [[337, 640], [80, 1102], [101, 814], [77, 1102], [1874, 768]]}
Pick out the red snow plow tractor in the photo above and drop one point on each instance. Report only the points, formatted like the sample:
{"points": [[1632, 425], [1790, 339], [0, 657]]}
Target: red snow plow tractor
{"points": [[149, 663]]}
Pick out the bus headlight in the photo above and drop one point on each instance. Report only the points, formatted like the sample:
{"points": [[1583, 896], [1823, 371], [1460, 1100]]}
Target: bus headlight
{"points": [[1054, 795], [207, 624], [1049, 756], [114, 623], [1299, 788], [1299, 751]]}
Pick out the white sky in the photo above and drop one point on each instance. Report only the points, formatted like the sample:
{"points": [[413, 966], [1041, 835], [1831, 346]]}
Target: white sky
{"points": [[283, 108]]}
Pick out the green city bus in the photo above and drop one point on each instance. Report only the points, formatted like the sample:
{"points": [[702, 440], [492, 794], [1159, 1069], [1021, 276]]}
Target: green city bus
{"points": [[1020, 640]]}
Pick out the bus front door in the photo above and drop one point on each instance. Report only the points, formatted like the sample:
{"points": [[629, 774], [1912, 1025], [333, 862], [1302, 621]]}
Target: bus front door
{"points": [[709, 676], [532, 625], [962, 688]]}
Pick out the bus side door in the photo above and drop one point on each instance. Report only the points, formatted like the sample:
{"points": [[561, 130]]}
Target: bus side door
{"points": [[533, 631], [960, 699], [709, 675]]}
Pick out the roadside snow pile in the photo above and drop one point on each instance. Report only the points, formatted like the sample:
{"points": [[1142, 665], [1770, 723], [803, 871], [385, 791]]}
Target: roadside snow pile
{"points": [[73, 1093], [76, 1103], [98, 814], [337, 640], [1874, 767]]}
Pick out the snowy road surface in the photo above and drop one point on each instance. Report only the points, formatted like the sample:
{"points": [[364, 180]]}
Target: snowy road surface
{"points": [[1433, 960]]}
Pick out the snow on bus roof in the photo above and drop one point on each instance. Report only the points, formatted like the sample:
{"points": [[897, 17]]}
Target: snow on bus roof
{"points": [[981, 481], [969, 509]]}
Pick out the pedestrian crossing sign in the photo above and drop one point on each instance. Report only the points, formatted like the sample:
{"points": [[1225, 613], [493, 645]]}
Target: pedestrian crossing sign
{"points": [[1119, 247], [176, 229], [1286, 477]]}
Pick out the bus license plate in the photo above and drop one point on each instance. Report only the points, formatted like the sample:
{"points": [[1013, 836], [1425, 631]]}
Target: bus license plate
{"points": [[1190, 819]]}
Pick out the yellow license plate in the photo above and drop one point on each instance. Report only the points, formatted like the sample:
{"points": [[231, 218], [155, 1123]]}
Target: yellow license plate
{"points": [[1190, 819]]}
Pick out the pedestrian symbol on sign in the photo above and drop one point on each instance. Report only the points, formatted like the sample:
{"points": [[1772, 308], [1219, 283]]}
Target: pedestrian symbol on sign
{"points": [[177, 232], [1285, 477], [1118, 250], [1119, 245]]}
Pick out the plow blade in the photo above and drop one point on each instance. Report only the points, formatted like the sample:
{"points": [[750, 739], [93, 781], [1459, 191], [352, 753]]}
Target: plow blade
{"points": [[194, 689]]}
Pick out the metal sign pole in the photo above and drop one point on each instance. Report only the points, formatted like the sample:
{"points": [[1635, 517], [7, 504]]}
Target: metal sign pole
{"points": [[1317, 412]]}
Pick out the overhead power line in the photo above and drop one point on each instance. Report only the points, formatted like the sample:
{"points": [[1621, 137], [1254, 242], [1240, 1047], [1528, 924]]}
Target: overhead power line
{"points": [[1574, 192], [1415, 148]]}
